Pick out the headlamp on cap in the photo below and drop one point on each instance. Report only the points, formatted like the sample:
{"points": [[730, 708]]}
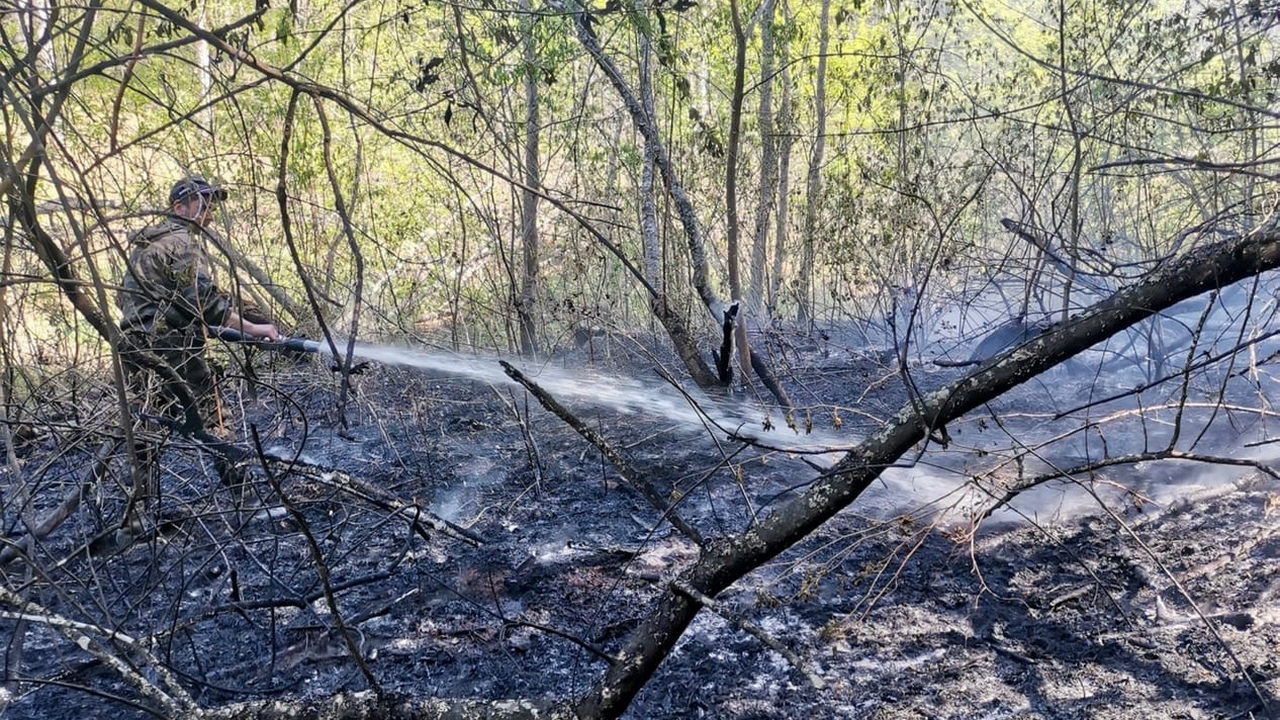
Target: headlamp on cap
{"points": [[187, 188]]}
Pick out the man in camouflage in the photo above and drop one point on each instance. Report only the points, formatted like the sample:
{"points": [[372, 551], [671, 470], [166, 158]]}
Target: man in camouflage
{"points": [[169, 299]]}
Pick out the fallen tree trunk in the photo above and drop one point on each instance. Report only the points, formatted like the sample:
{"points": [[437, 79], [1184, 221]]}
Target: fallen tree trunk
{"points": [[723, 562]]}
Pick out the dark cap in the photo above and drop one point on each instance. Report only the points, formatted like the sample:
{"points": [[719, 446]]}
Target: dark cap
{"points": [[190, 186]]}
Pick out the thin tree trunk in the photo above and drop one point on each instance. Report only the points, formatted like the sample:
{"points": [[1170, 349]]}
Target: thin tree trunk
{"points": [[204, 69], [732, 231], [644, 124], [768, 165], [648, 203], [813, 179], [785, 135], [526, 306], [673, 322], [1071, 238], [348, 232], [681, 337]]}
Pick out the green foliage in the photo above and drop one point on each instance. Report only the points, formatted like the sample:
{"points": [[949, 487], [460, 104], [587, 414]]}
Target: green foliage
{"points": [[1113, 125]]}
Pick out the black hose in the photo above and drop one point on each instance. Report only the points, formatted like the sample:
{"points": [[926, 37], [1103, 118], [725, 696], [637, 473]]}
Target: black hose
{"points": [[285, 344]]}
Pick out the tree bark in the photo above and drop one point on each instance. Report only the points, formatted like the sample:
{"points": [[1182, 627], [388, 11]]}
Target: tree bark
{"points": [[529, 197], [724, 562], [682, 338], [768, 166], [733, 232], [785, 133], [813, 180]]}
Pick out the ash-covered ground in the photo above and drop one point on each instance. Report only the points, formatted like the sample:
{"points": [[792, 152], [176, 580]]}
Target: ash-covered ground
{"points": [[467, 544]]}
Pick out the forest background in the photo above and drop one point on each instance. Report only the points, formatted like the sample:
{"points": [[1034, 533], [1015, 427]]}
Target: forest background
{"points": [[486, 175], [520, 177]]}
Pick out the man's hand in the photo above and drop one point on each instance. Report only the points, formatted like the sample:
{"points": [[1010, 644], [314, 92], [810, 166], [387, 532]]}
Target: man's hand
{"points": [[261, 331]]}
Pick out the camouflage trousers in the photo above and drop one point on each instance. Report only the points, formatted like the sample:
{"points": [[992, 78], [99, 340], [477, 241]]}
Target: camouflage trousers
{"points": [[171, 382], [166, 394]]}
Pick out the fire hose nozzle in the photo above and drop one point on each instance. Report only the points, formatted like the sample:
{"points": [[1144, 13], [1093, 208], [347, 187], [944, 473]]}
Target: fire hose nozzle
{"points": [[284, 344], [298, 344]]}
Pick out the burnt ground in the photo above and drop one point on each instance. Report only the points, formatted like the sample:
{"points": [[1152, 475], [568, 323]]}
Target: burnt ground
{"points": [[1142, 590]]}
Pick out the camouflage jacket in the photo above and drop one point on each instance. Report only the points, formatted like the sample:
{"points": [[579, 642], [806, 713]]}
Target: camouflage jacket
{"points": [[167, 284]]}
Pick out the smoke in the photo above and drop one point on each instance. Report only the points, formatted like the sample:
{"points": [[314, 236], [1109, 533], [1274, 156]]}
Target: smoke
{"points": [[1194, 378], [585, 388], [1190, 378]]}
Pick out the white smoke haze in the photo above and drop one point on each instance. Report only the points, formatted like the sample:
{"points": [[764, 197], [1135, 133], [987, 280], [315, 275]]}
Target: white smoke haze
{"points": [[1129, 395], [582, 387], [1195, 378]]}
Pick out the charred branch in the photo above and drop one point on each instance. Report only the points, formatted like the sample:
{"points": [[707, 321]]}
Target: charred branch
{"points": [[683, 340], [418, 518], [65, 509], [724, 368], [765, 373], [754, 631], [619, 463]]}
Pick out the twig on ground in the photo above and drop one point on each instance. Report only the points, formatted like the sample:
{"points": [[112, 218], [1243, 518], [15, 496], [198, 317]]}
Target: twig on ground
{"points": [[174, 699], [752, 629], [383, 608], [322, 571], [70, 503], [1182, 590], [412, 512], [631, 477]]}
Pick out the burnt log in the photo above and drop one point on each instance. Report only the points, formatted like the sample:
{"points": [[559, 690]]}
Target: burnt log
{"points": [[724, 364]]}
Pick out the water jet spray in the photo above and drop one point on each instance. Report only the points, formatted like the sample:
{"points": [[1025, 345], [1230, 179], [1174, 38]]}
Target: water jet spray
{"points": [[627, 395]]}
